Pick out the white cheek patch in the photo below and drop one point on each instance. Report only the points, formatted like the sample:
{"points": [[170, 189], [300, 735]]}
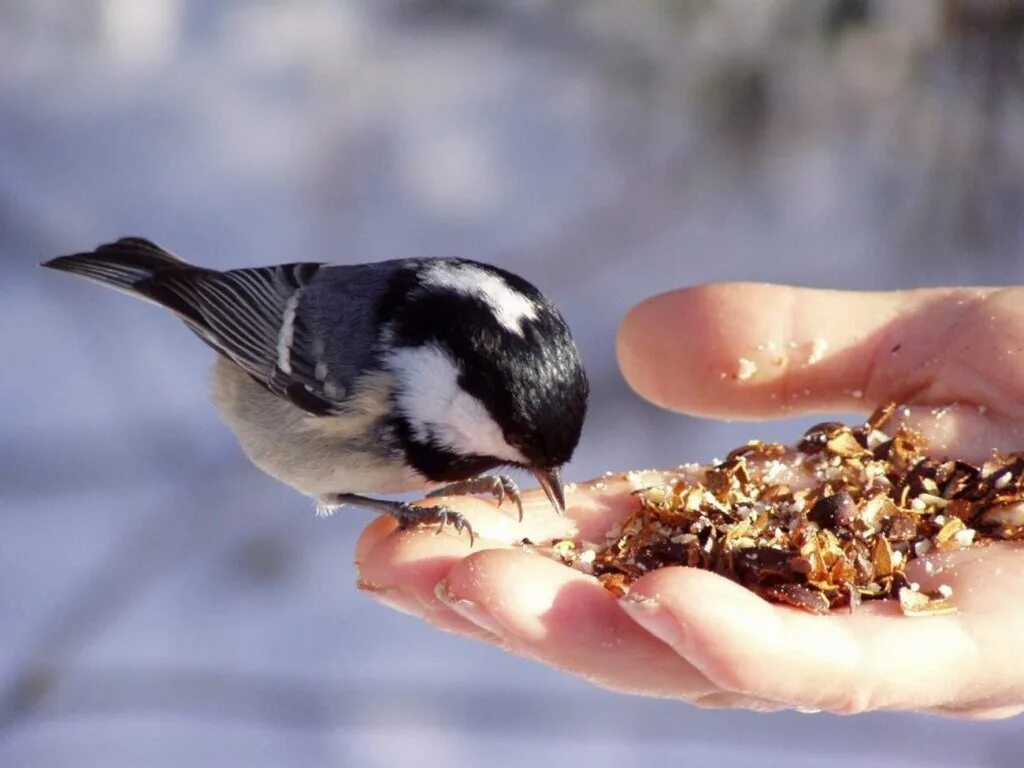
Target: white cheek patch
{"points": [[439, 409], [509, 306]]}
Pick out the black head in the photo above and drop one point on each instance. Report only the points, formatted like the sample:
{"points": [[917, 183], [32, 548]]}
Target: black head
{"points": [[488, 373]]}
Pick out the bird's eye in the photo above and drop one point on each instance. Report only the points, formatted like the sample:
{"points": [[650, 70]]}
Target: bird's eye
{"points": [[516, 441]]}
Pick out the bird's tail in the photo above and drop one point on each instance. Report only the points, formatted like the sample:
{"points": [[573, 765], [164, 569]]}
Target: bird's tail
{"points": [[122, 265]]}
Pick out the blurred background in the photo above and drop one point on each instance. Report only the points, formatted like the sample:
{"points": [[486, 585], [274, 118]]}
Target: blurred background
{"points": [[162, 603]]}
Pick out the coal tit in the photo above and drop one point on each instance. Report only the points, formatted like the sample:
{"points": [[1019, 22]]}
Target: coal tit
{"points": [[398, 376]]}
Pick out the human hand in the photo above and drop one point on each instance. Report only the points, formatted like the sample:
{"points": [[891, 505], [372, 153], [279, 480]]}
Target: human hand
{"points": [[955, 356]]}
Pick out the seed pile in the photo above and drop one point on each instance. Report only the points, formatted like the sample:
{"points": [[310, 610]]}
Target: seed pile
{"points": [[821, 526]]}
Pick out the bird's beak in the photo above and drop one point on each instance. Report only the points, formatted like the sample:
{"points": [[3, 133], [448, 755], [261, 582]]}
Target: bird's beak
{"points": [[552, 484]]}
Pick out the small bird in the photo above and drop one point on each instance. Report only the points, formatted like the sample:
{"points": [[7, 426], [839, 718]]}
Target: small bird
{"points": [[390, 377]]}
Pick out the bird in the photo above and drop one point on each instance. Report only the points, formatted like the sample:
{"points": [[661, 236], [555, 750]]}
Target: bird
{"points": [[349, 382]]}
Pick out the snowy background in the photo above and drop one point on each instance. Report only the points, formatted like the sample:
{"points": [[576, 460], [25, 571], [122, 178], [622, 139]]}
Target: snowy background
{"points": [[162, 603]]}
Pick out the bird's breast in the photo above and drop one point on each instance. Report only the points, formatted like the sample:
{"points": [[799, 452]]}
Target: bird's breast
{"points": [[353, 452]]}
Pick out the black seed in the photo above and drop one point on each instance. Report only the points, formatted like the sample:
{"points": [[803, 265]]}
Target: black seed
{"points": [[835, 511]]}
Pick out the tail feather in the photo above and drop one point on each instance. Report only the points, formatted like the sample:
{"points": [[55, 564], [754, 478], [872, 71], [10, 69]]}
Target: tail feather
{"points": [[120, 265], [250, 316]]}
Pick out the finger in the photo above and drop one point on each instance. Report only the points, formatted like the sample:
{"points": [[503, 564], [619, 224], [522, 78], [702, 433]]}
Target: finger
{"points": [[440, 618], [566, 619], [938, 569], [727, 700], [412, 562], [591, 509], [390, 561], [500, 523], [400, 571], [843, 663], [401, 568], [599, 505], [753, 350], [371, 536], [966, 432], [980, 713]]}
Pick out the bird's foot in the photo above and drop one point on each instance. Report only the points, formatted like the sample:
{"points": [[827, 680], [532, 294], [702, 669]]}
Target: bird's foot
{"points": [[407, 515], [500, 486]]}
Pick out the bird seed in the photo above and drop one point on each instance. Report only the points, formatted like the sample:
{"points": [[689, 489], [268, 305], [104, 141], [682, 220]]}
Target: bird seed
{"points": [[820, 526]]}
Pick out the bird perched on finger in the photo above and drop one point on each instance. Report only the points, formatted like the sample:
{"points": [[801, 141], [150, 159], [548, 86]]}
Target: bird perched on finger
{"points": [[390, 377]]}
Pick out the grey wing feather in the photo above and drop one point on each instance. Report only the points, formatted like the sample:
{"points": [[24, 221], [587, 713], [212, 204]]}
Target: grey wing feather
{"points": [[251, 316], [341, 305], [305, 331]]}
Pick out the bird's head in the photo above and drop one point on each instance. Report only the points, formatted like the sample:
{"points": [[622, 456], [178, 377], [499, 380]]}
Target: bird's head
{"points": [[486, 373]]}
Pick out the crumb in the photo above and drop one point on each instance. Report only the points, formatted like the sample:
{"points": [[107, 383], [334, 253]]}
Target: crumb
{"points": [[827, 523], [964, 538], [818, 348], [745, 369]]}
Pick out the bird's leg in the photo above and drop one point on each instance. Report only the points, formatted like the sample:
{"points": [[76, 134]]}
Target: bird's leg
{"points": [[407, 515], [499, 486]]}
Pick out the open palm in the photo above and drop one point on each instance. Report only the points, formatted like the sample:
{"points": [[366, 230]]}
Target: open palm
{"points": [[954, 356]]}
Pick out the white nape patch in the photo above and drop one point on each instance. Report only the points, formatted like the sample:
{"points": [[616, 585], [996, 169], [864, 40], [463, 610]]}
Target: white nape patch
{"points": [[429, 394], [509, 306], [287, 333]]}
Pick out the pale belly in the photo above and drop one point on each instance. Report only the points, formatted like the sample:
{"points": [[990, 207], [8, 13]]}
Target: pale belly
{"points": [[315, 455]]}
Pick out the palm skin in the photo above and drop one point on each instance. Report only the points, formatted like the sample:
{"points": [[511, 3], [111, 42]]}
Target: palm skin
{"points": [[955, 357]]}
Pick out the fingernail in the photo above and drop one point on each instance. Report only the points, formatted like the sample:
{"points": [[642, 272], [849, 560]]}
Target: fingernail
{"points": [[389, 596], [655, 618], [469, 610], [365, 585]]}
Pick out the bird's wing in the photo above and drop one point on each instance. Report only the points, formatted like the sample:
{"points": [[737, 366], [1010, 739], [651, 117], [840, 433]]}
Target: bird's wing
{"points": [[305, 331], [253, 317]]}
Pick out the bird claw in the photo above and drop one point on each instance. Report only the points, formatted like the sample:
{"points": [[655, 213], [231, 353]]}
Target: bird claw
{"points": [[509, 488], [406, 514], [499, 486], [409, 515]]}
